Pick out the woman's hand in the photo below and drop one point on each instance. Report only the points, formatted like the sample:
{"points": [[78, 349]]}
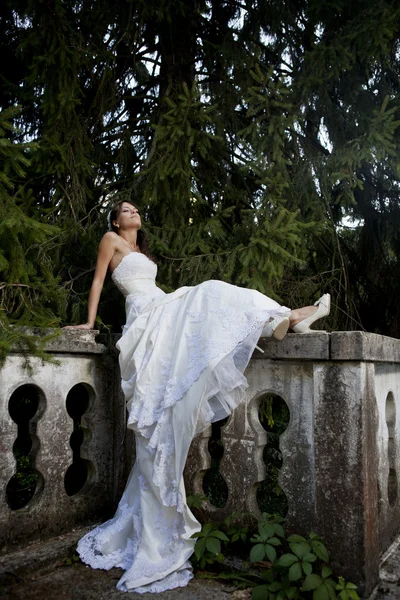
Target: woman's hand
{"points": [[86, 326]]}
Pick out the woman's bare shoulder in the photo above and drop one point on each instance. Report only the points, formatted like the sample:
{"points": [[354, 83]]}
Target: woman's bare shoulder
{"points": [[109, 238], [109, 244]]}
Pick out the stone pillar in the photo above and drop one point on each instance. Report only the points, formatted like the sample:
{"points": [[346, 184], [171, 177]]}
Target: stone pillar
{"points": [[387, 391], [242, 464], [346, 469], [198, 461]]}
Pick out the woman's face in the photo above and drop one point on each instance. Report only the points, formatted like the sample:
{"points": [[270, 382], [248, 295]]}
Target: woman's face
{"points": [[128, 217]]}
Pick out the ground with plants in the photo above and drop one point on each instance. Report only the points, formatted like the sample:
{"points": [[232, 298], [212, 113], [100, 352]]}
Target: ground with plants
{"points": [[52, 571], [276, 566]]}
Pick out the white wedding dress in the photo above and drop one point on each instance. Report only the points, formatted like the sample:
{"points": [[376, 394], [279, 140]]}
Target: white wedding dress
{"points": [[182, 358]]}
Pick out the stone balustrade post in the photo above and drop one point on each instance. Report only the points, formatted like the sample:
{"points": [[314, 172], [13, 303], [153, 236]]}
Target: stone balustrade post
{"points": [[346, 469]]}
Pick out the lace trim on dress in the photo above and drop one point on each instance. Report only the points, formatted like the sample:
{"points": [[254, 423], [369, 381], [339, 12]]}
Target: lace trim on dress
{"points": [[174, 580], [93, 547]]}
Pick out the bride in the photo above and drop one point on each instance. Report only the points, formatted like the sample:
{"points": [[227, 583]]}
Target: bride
{"points": [[182, 358]]}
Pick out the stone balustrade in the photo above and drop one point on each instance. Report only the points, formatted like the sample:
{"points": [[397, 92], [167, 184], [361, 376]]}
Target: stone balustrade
{"points": [[341, 452]]}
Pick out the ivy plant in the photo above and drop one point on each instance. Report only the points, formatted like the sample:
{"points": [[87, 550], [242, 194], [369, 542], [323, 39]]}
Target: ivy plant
{"points": [[280, 567]]}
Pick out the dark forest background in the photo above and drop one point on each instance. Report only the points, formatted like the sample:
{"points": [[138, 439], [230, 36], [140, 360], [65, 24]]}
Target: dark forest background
{"points": [[260, 139]]}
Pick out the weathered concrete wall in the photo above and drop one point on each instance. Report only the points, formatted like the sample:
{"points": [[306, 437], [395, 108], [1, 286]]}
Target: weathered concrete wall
{"points": [[340, 450], [51, 511], [387, 393]]}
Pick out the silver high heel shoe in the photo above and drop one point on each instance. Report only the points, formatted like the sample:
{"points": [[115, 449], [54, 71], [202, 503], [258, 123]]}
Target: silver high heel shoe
{"points": [[323, 310]]}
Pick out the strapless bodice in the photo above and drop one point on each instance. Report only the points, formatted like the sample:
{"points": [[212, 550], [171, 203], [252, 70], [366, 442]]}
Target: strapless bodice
{"points": [[135, 276], [133, 266]]}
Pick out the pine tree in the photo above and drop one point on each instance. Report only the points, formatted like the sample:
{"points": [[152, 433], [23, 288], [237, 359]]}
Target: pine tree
{"points": [[30, 294], [247, 133]]}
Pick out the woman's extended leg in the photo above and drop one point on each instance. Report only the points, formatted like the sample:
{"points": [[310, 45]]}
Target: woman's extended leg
{"points": [[299, 319]]}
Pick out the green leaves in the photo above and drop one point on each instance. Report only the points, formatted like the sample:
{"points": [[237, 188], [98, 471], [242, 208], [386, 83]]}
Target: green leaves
{"points": [[213, 545], [246, 124], [30, 288], [316, 544], [326, 590], [300, 562], [347, 590], [296, 567], [196, 500], [258, 552], [261, 592], [207, 548], [267, 541], [322, 586], [277, 590], [235, 528], [312, 582], [287, 560]]}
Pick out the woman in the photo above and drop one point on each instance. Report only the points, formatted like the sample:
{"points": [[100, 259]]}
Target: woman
{"points": [[182, 358]]}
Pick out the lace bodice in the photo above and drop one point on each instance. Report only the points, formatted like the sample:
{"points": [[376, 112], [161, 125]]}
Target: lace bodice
{"points": [[135, 278], [132, 268]]}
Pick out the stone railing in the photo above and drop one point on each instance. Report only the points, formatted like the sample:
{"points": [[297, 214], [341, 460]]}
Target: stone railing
{"points": [[341, 456]]}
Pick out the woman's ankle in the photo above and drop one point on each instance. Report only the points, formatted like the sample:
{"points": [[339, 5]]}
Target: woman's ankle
{"points": [[299, 314]]}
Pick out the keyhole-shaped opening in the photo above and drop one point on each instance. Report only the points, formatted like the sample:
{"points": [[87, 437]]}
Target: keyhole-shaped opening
{"points": [[26, 406], [214, 485], [274, 416], [390, 414], [78, 475]]}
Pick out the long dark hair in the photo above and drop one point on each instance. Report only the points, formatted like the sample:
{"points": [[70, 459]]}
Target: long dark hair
{"points": [[141, 239]]}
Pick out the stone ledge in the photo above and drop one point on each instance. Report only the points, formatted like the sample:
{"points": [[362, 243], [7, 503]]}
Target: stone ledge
{"points": [[363, 346], [338, 345], [313, 346], [67, 341]]}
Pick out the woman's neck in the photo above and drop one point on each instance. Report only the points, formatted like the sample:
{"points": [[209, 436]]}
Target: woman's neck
{"points": [[130, 237]]}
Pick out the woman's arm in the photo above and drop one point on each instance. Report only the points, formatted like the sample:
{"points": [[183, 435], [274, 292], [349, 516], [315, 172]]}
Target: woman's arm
{"points": [[106, 252]]}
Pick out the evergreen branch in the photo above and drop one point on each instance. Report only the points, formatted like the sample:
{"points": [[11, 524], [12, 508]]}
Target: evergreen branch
{"points": [[72, 279], [15, 285], [206, 255], [312, 277]]}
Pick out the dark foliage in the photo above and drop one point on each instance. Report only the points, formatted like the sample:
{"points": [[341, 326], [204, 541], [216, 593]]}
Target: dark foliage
{"points": [[260, 140]]}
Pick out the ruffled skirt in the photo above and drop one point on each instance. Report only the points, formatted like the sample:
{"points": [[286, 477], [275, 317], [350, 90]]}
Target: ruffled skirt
{"points": [[182, 362]]}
